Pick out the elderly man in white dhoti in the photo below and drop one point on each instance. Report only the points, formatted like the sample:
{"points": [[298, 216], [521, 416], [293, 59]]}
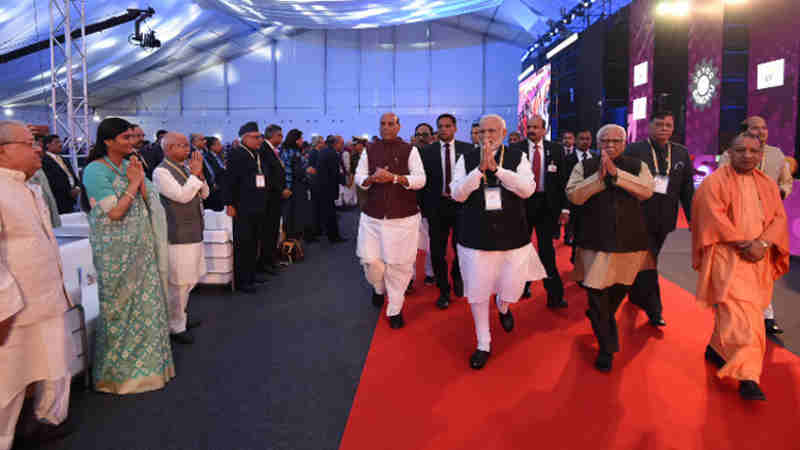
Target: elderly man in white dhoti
{"points": [[34, 338], [494, 244], [390, 170], [182, 192]]}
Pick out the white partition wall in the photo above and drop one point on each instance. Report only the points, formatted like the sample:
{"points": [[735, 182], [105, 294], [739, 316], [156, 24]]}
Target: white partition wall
{"points": [[339, 81]]}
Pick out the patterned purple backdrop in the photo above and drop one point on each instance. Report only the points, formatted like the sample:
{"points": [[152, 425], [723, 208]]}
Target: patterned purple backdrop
{"points": [[705, 48], [774, 35], [642, 34]]}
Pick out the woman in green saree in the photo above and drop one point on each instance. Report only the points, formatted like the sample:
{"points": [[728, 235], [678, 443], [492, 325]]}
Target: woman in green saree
{"points": [[129, 250]]}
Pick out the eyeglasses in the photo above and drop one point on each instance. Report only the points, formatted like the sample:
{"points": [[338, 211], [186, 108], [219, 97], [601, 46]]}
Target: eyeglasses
{"points": [[611, 141], [35, 144], [254, 136], [423, 135]]}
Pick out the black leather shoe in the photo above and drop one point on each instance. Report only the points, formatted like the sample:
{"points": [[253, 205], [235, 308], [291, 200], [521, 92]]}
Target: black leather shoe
{"points": [[193, 324], [714, 358], [247, 288], [657, 321], [554, 304], [337, 240], [269, 271], [458, 288], [772, 327], [182, 338], [749, 390], [478, 359], [429, 281], [396, 322], [507, 321], [312, 239], [603, 361], [44, 433], [260, 279], [527, 292], [377, 299], [443, 302]]}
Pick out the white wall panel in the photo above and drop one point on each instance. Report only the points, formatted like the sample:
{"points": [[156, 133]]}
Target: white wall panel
{"points": [[162, 99], [377, 80], [301, 71], [413, 65], [343, 70], [250, 80], [457, 67], [204, 90]]}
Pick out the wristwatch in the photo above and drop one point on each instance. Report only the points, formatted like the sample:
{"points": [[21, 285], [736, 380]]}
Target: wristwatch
{"points": [[395, 180], [763, 243]]}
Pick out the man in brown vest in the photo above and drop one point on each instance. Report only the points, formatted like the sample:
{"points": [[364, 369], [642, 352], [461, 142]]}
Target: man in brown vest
{"points": [[182, 192], [390, 170]]}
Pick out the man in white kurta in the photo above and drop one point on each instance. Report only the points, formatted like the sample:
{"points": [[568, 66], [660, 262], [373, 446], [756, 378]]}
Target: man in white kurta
{"points": [[494, 245], [181, 192], [390, 170], [34, 337]]}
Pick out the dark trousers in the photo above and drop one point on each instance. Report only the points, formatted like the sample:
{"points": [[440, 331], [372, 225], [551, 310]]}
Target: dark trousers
{"points": [[645, 291], [248, 230], [545, 221], [440, 223], [603, 305], [326, 215], [272, 226]]}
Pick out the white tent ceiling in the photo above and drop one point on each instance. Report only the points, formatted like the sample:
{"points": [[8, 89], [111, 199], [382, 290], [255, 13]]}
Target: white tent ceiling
{"points": [[198, 34]]}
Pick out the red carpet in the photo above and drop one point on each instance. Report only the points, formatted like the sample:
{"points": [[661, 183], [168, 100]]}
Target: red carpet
{"points": [[540, 389]]}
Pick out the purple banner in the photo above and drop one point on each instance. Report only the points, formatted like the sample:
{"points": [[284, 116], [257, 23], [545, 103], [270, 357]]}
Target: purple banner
{"points": [[773, 37], [705, 72], [642, 34]]}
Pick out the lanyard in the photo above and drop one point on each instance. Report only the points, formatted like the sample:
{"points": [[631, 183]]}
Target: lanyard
{"points": [[256, 156], [114, 168], [176, 167], [63, 166], [500, 164], [655, 159]]}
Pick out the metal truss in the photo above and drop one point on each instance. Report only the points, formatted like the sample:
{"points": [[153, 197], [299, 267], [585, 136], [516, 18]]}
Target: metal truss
{"points": [[69, 105]]}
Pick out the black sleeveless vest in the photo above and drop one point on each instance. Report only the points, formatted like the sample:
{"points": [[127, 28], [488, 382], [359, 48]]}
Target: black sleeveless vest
{"points": [[500, 230], [614, 220]]}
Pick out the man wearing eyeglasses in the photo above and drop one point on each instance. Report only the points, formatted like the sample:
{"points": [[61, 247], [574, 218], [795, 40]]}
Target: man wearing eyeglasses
{"points": [[613, 250], [673, 172], [35, 345], [423, 136], [245, 195]]}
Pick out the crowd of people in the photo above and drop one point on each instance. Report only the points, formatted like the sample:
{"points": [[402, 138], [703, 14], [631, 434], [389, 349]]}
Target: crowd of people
{"points": [[486, 199]]}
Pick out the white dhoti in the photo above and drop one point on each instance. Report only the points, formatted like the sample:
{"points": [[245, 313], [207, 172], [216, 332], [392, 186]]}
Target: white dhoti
{"points": [[424, 245], [496, 272], [385, 248], [187, 264], [36, 358]]}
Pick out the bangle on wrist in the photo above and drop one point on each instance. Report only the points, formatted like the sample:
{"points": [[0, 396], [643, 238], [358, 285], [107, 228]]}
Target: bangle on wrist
{"points": [[130, 195]]}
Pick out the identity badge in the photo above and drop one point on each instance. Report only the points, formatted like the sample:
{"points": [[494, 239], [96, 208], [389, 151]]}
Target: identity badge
{"points": [[552, 168], [261, 181], [494, 201], [662, 183]]}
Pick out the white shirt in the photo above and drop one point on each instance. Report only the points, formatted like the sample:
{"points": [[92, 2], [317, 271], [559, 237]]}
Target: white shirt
{"points": [[520, 182], [169, 187], [581, 154], [416, 177], [452, 147]]}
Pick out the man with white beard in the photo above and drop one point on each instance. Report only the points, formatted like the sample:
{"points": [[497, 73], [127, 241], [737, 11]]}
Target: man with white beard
{"points": [[390, 170], [494, 244]]}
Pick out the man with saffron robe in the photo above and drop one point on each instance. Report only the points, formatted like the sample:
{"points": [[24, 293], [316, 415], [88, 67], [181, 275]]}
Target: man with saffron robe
{"points": [[740, 246]]}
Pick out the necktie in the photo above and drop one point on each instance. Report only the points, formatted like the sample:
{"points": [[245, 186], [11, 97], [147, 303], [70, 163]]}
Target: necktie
{"points": [[447, 168], [537, 166]]}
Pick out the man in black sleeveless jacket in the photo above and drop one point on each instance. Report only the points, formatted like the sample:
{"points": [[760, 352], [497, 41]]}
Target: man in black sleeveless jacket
{"points": [[494, 243], [615, 248]]}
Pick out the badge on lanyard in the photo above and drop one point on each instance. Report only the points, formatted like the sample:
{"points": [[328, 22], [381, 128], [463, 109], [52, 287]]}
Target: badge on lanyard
{"points": [[493, 199], [308, 193], [261, 181], [662, 183], [552, 168]]}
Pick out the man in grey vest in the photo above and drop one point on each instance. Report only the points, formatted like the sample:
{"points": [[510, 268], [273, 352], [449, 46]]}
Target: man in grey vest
{"points": [[182, 192]]}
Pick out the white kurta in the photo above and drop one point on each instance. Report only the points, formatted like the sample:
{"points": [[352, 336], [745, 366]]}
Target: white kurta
{"points": [[187, 262], [501, 272], [388, 247], [347, 194]]}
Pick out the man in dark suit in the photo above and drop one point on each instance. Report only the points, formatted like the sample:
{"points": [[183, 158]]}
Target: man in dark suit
{"points": [[63, 183], [276, 193], [152, 154], [438, 206], [583, 150], [214, 173], [673, 172], [547, 208], [245, 194], [326, 187]]}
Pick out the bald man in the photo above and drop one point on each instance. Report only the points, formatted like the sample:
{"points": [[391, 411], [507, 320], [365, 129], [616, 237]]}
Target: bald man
{"points": [[773, 164], [182, 191], [390, 170]]}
